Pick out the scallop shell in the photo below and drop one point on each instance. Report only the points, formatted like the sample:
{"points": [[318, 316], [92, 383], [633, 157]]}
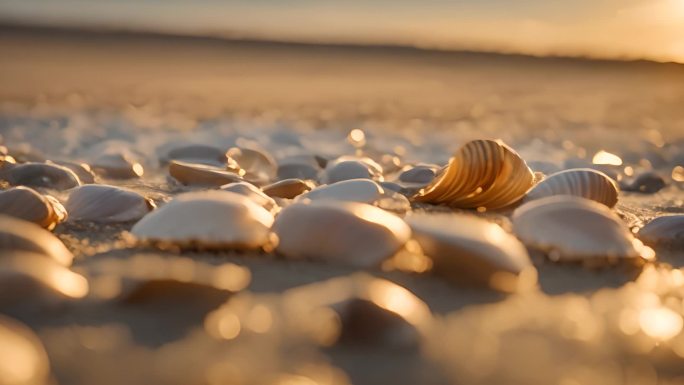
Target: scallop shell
{"points": [[349, 233], [82, 170], [472, 250], [252, 192], [20, 235], [361, 191], [665, 229], [29, 205], [575, 229], [208, 220], [345, 168], [24, 276], [288, 188], [117, 166], [483, 173], [259, 166], [39, 175], [107, 204], [23, 360], [195, 174], [579, 182], [197, 153], [648, 182]]}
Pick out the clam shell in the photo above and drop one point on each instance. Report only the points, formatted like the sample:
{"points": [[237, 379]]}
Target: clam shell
{"points": [[39, 175], [349, 233], [580, 182], [208, 220], [483, 173], [195, 174], [288, 188], [665, 229], [259, 166], [574, 229], [117, 166], [345, 168], [472, 250], [648, 182], [420, 174], [23, 360], [20, 235], [197, 153], [252, 192], [107, 204], [29, 205], [362, 191], [82, 170]]}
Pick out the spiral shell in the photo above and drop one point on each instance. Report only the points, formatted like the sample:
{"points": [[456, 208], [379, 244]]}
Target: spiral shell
{"points": [[665, 229], [579, 182], [39, 175], [107, 204], [27, 204], [195, 174], [483, 173], [20, 235]]}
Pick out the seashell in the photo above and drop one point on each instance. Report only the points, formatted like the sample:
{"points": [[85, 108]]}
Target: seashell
{"points": [[107, 204], [350, 233], [483, 173], [29, 205], [23, 360], [24, 276], [208, 220], [361, 191], [288, 188], [570, 228], [117, 166], [259, 166], [419, 174], [296, 171], [667, 229], [580, 182], [82, 170], [197, 153], [195, 174], [472, 250], [39, 175], [149, 277], [345, 168], [252, 192], [648, 182], [20, 235]]}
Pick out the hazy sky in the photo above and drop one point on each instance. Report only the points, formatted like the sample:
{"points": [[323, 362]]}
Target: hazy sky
{"points": [[652, 29]]}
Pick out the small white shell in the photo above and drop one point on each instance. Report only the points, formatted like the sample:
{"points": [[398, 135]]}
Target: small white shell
{"points": [[252, 192], [349, 233], [23, 360], [106, 204], [20, 235], [361, 191], [346, 167], [209, 220], [471, 250], [574, 229], [29, 205], [288, 188], [664, 229], [39, 175], [117, 166], [482, 173], [195, 174], [579, 182]]}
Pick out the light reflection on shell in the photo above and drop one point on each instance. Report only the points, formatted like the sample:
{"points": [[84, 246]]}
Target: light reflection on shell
{"points": [[348, 167], [259, 166], [117, 166], [107, 204], [252, 192], [582, 182], [29, 205], [20, 235], [666, 229], [361, 191], [482, 173]]}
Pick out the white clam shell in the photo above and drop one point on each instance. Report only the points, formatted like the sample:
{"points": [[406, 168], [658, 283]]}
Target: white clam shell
{"points": [[664, 229], [23, 359], [574, 229], [117, 166], [349, 233], [482, 173], [580, 182], [195, 174], [29, 205], [39, 175], [20, 235], [472, 250], [346, 167], [359, 190], [106, 204], [288, 188], [252, 192], [209, 220]]}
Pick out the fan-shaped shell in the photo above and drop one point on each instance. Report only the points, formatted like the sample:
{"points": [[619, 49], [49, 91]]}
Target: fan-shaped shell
{"points": [[23, 360], [195, 174], [107, 204], [483, 173], [29, 205], [117, 166], [288, 188], [39, 175], [20, 235], [664, 229], [252, 192], [197, 153], [349, 233], [209, 220], [573, 229], [579, 182], [345, 168], [468, 249]]}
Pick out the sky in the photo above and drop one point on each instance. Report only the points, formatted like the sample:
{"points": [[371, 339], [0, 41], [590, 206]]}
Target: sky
{"points": [[632, 29]]}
